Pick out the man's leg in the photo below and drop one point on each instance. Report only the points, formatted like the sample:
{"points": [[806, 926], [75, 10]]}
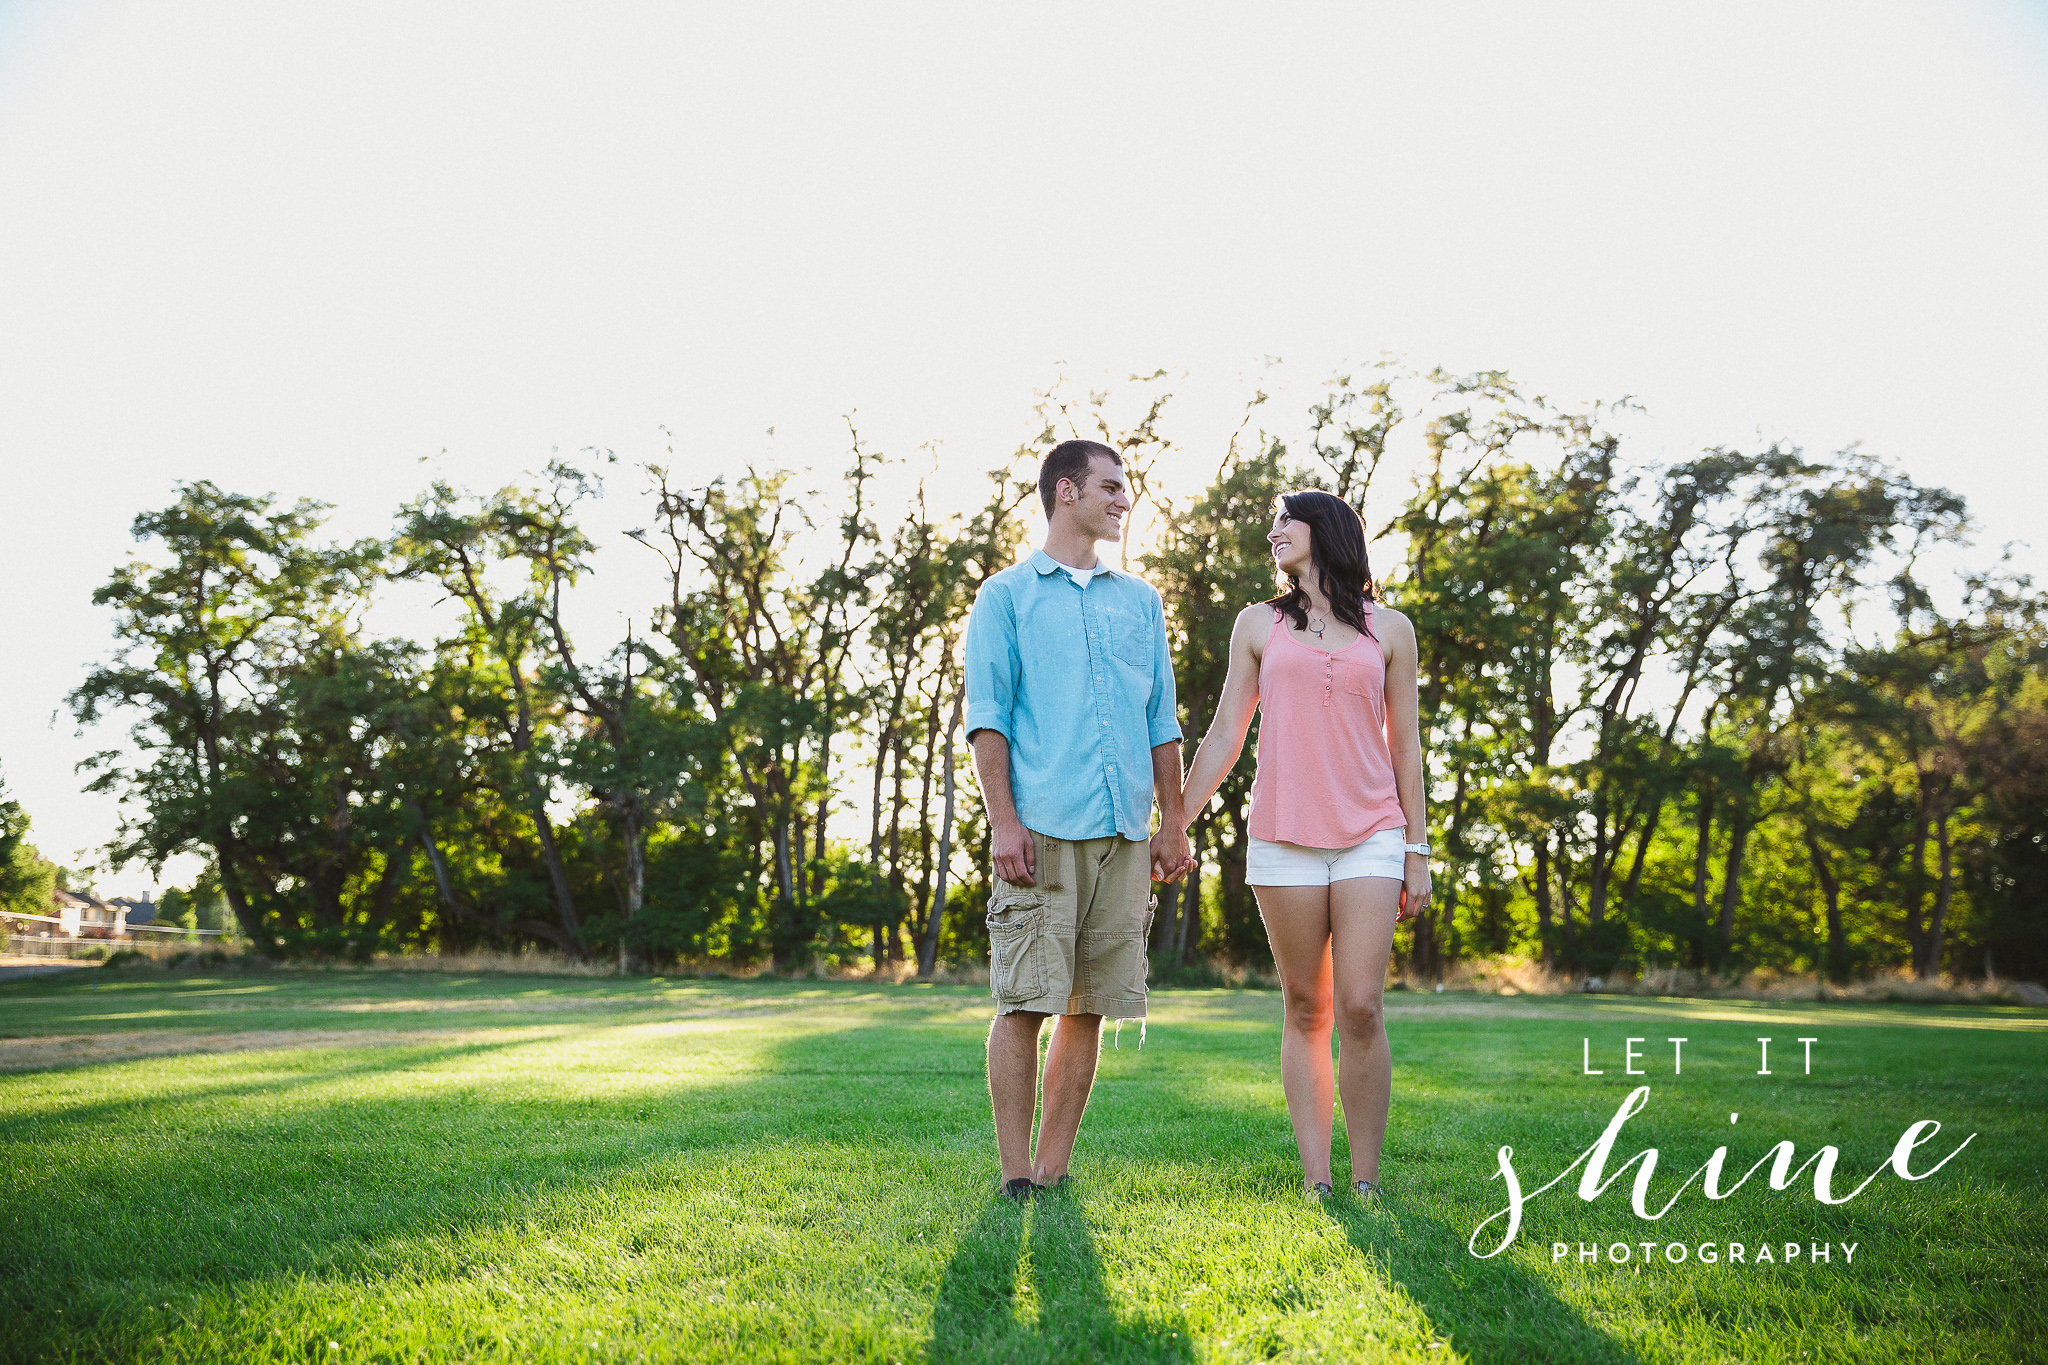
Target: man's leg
{"points": [[1361, 938], [1069, 1076], [1013, 1087]]}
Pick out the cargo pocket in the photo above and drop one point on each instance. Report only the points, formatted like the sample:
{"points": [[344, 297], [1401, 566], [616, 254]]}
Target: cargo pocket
{"points": [[1118, 960], [1016, 944]]}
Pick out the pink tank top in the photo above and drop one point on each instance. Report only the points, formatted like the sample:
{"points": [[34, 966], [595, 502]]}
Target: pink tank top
{"points": [[1325, 776]]}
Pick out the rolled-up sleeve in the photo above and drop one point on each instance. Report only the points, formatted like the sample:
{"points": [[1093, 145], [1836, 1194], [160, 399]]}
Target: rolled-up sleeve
{"points": [[1162, 712], [992, 662]]}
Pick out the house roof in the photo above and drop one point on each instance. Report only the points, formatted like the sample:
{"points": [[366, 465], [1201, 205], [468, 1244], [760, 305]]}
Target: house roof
{"points": [[139, 911]]}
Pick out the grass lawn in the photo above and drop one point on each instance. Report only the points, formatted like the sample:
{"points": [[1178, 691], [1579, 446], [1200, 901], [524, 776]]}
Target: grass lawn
{"points": [[348, 1166]]}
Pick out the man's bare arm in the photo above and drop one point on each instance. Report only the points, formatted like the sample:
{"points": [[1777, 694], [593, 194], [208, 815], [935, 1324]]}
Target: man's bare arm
{"points": [[1010, 845]]}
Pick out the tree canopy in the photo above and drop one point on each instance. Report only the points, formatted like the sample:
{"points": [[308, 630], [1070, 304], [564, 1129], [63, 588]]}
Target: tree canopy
{"points": [[1704, 713]]}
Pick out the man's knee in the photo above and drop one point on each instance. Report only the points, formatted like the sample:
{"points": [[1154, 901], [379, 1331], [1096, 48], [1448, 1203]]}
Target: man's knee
{"points": [[1018, 1027]]}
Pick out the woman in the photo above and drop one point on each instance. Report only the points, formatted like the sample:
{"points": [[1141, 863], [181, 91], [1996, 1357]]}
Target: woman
{"points": [[1339, 782]]}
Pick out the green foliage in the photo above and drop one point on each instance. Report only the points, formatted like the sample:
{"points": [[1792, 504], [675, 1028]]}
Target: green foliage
{"points": [[27, 879], [1699, 712]]}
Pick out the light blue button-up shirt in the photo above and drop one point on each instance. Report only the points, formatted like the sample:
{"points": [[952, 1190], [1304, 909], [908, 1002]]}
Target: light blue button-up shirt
{"points": [[1080, 682]]}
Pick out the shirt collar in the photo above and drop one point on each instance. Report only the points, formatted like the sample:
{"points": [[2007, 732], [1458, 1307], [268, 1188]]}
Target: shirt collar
{"points": [[1046, 564]]}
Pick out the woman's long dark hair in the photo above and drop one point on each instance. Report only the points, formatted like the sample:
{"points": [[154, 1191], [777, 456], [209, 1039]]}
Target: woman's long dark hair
{"points": [[1337, 550]]}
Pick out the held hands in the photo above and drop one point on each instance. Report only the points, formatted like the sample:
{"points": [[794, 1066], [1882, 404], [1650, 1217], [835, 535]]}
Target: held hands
{"points": [[1015, 854], [1414, 888], [1172, 855]]}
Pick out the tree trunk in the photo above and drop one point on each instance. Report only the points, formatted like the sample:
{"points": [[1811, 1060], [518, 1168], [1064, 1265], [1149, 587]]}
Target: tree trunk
{"points": [[1422, 946], [445, 887], [1543, 907], [1916, 936], [636, 870], [923, 903], [1703, 847], [1943, 895], [1633, 887], [1731, 876], [1163, 927], [231, 889], [928, 950], [782, 935], [1603, 840], [1236, 895], [1188, 932], [896, 822], [1836, 966], [558, 878], [397, 863], [1563, 862]]}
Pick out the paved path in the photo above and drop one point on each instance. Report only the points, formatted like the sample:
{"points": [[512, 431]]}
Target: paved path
{"points": [[15, 968]]}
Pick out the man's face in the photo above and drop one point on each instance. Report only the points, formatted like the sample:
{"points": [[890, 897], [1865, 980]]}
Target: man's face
{"points": [[1101, 500]]}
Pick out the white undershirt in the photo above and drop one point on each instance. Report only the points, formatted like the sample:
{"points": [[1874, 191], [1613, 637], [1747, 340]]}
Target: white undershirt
{"points": [[1082, 576]]}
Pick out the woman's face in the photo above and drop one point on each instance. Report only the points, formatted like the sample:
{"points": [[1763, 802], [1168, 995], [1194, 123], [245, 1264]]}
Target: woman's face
{"points": [[1293, 550]]}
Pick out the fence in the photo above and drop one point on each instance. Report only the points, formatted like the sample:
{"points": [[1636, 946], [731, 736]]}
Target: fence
{"points": [[156, 949]]}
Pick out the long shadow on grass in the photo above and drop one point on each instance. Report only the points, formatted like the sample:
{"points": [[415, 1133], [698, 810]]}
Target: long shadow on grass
{"points": [[1491, 1310], [976, 1316], [393, 1057]]}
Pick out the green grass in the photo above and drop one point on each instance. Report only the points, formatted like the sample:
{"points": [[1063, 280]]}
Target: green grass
{"points": [[421, 1167]]}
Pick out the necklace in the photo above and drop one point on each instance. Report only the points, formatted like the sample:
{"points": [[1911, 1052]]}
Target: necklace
{"points": [[1315, 629]]}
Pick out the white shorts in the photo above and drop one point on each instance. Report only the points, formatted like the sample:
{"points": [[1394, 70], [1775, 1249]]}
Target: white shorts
{"points": [[1381, 855]]}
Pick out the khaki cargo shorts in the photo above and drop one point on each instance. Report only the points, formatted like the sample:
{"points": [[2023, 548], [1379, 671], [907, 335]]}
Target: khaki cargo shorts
{"points": [[1075, 942]]}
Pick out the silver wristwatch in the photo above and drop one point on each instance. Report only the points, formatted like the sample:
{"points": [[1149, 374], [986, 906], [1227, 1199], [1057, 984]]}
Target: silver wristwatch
{"points": [[1423, 849]]}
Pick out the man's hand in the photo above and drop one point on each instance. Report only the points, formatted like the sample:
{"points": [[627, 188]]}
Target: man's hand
{"points": [[1015, 854], [1414, 888], [1171, 854]]}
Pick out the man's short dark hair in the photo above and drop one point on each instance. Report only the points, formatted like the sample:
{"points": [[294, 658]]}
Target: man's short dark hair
{"points": [[1070, 460]]}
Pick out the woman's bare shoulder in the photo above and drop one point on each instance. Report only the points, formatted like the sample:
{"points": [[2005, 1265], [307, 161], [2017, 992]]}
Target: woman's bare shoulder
{"points": [[1257, 614], [1396, 623], [1250, 629]]}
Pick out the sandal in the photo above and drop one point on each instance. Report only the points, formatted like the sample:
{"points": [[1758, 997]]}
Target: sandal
{"points": [[1019, 1189], [1318, 1192], [1367, 1192]]}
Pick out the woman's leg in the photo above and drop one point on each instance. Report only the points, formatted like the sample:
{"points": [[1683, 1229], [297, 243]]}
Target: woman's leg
{"points": [[1361, 937], [1298, 926]]}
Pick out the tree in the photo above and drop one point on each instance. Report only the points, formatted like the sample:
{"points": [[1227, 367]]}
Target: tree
{"points": [[767, 652], [27, 880], [1937, 703], [455, 542], [215, 651]]}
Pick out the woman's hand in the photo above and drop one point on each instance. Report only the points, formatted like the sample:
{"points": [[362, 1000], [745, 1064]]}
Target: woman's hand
{"points": [[1414, 888]]}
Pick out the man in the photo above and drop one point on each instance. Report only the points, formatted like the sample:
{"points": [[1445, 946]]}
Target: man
{"points": [[1070, 712]]}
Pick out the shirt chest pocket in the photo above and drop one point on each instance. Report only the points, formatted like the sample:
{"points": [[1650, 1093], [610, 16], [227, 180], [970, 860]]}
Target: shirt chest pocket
{"points": [[1130, 638], [1360, 680]]}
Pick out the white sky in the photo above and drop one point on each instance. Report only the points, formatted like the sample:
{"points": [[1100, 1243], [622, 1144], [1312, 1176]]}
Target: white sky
{"points": [[300, 248]]}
